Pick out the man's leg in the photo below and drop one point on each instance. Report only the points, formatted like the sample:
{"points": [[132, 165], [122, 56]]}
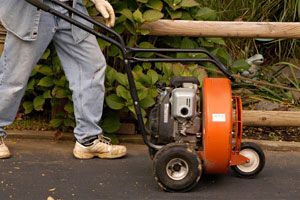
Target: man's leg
{"points": [[16, 63], [84, 66]]}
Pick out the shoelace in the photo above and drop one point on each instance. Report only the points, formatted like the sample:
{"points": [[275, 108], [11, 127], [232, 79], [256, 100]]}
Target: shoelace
{"points": [[105, 140]]}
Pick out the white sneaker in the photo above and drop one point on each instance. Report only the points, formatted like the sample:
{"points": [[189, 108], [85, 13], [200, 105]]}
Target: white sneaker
{"points": [[101, 148], [4, 151]]}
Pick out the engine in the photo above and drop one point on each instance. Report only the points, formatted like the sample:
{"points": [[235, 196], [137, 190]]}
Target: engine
{"points": [[176, 115]]}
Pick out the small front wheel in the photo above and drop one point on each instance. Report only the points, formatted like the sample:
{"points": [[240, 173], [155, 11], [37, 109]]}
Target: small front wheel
{"points": [[177, 167], [257, 161]]}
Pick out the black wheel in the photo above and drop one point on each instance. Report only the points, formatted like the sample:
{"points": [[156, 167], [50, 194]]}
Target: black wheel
{"points": [[177, 168], [256, 164]]}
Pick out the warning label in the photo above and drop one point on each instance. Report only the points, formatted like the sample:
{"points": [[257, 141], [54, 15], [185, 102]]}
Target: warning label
{"points": [[219, 117]]}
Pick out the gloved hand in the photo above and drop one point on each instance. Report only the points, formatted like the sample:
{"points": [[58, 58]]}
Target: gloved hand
{"points": [[106, 11]]}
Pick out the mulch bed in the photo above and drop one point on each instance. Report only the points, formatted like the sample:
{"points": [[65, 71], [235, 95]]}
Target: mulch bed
{"points": [[273, 133]]}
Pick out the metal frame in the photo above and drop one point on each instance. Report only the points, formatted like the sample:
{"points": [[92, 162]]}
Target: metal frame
{"points": [[128, 54], [236, 157], [238, 124]]}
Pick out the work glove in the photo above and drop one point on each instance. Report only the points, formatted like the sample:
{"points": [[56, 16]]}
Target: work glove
{"points": [[106, 11]]}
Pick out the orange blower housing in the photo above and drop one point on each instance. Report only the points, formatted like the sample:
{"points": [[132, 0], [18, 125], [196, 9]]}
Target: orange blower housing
{"points": [[218, 152]]}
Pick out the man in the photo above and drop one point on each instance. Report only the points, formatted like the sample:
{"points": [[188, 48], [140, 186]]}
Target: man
{"points": [[29, 33]]}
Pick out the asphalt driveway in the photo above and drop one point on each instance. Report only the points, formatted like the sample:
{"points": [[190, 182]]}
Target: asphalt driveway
{"points": [[43, 168]]}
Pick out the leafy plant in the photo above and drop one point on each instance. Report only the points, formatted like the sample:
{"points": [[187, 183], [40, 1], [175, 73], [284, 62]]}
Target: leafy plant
{"points": [[272, 10], [130, 15], [48, 87], [118, 94]]}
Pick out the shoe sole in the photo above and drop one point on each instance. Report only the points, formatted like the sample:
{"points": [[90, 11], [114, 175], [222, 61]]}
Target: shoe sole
{"points": [[86, 156], [5, 156]]}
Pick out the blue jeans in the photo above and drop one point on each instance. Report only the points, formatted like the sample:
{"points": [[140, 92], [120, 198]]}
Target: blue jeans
{"points": [[83, 64]]}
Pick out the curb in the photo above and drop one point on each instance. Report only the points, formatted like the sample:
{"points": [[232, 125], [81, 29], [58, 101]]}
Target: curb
{"points": [[137, 139], [39, 135], [276, 145]]}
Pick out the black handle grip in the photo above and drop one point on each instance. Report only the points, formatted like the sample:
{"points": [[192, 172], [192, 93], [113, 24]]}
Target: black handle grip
{"points": [[39, 5]]}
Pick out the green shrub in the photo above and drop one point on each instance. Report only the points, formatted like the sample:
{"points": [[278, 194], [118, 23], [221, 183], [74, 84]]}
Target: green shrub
{"points": [[48, 87]]}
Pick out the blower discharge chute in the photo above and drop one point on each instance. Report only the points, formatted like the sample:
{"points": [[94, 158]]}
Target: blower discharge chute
{"points": [[191, 131]]}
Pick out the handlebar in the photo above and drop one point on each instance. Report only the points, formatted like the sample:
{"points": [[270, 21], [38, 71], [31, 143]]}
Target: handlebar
{"points": [[119, 42]]}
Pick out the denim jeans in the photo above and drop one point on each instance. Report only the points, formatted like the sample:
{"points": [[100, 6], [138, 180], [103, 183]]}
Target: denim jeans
{"points": [[83, 64]]}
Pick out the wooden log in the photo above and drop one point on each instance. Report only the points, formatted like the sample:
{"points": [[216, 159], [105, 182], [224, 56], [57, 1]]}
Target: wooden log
{"points": [[271, 118], [2, 32], [2, 38], [224, 29], [1, 48]]}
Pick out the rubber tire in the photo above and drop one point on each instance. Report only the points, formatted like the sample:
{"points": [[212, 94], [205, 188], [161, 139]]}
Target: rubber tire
{"points": [[170, 152], [262, 161]]}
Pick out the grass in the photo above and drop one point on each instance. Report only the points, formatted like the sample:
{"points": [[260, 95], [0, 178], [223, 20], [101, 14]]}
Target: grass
{"points": [[279, 54], [259, 10]]}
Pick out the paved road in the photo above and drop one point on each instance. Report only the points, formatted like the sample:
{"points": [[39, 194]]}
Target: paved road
{"points": [[40, 169]]}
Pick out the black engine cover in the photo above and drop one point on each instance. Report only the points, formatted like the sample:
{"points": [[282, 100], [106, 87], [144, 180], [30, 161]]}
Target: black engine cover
{"points": [[161, 123]]}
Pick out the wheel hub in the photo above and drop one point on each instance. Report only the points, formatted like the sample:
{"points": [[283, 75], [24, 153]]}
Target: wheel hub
{"points": [[253, 160], [177, 169]]}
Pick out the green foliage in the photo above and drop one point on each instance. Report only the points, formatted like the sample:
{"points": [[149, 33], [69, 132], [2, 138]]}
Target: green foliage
{"points": [[111, 124], [47, 84], [239, 66], [48, 87], [254, 10], [130, 15], [118, 94]]}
